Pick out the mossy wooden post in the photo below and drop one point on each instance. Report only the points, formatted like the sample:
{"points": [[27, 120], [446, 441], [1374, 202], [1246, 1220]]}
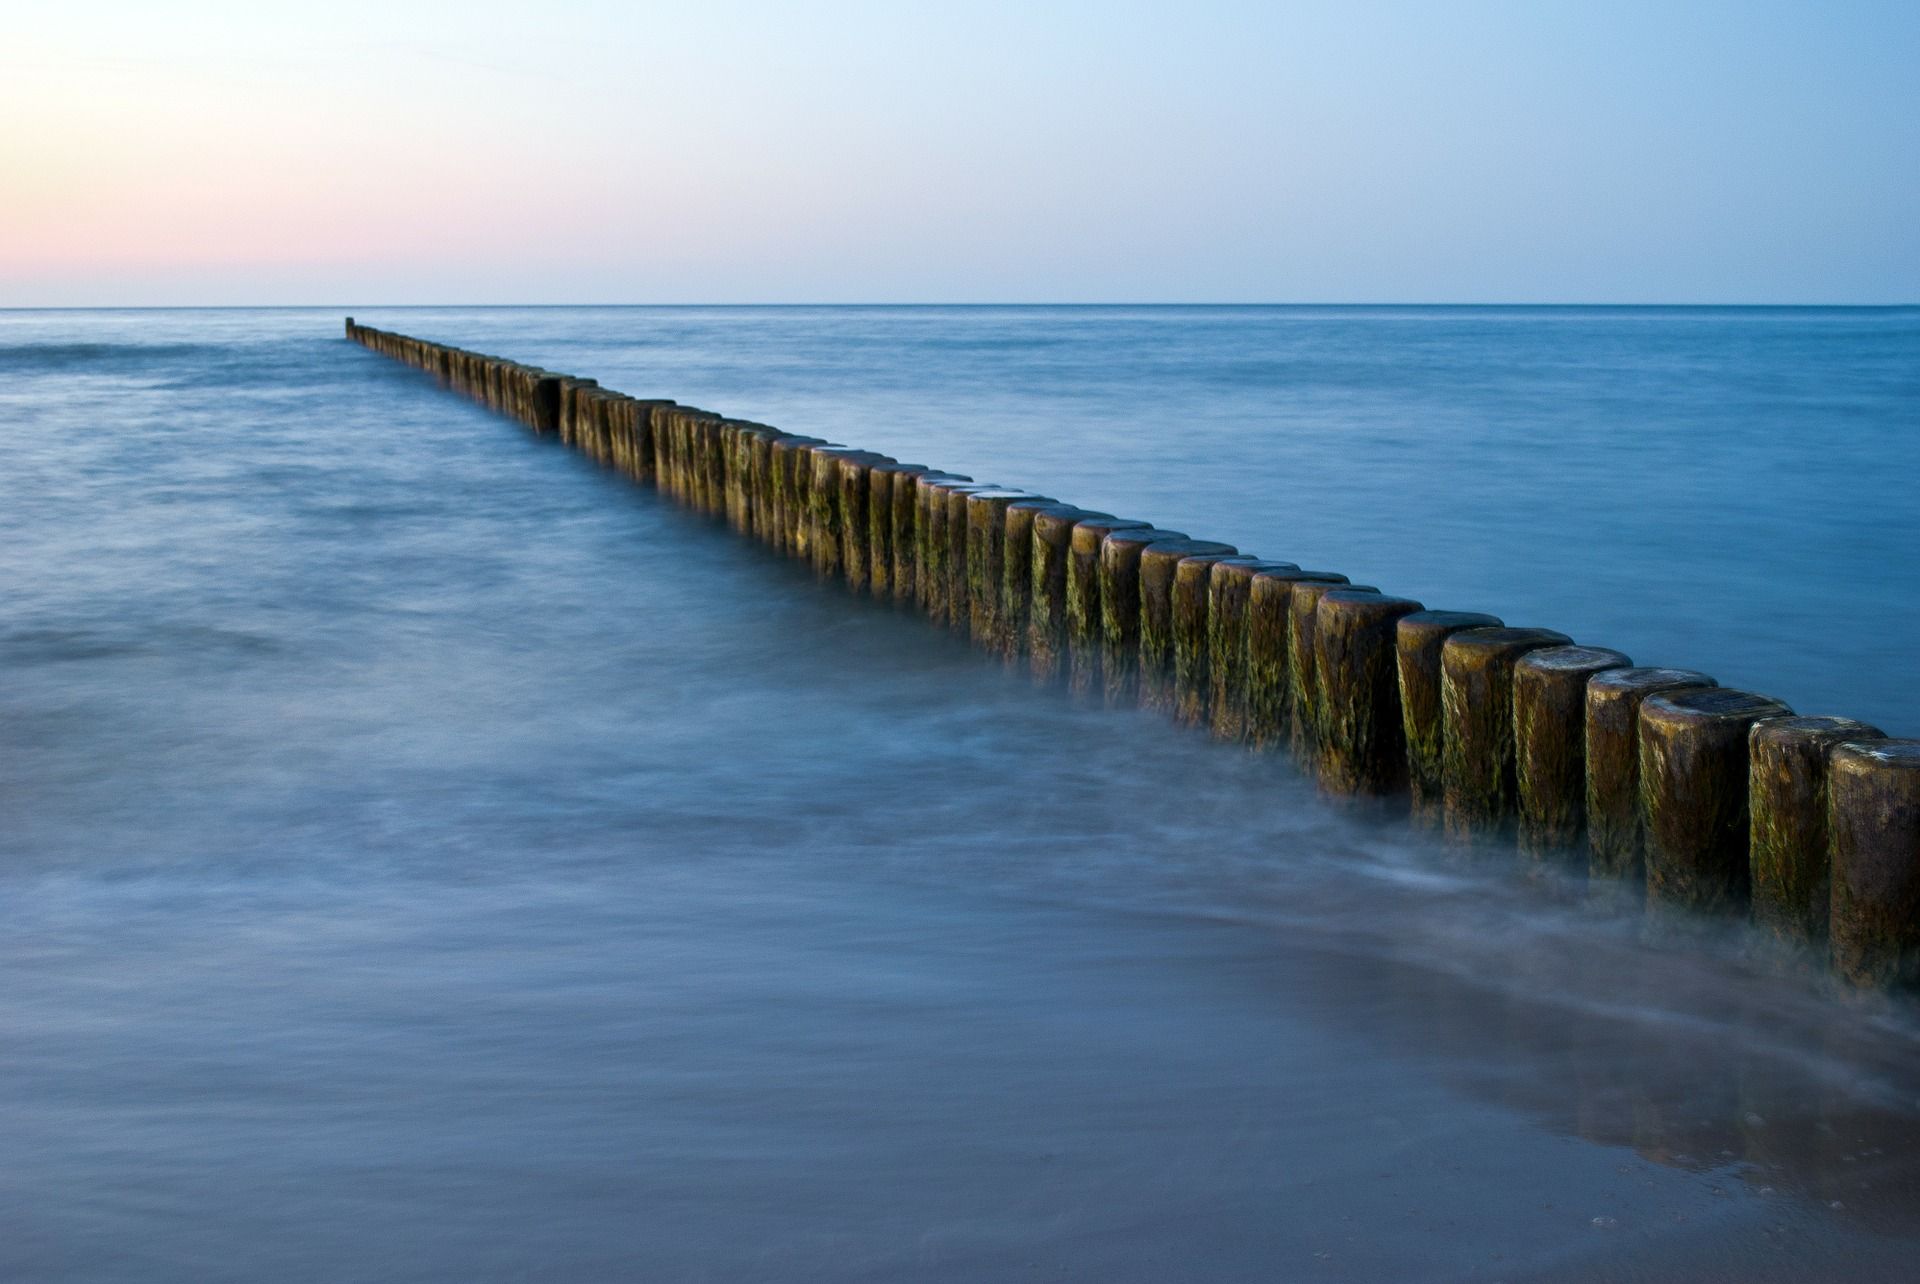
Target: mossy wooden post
{"points": [[1304, 708], [987, 566], [1550, 744], [733, 461], [1787, 837], [1119, 573], [882, 480], [1051, 537], [823, 512], [795, 480], [1356, 663], [715, 472], [934, 566], [1192, 634], [1228, 589], [960, 535], [760, 480], [1269, 664], [1873, 815], [855, 523], [1418, 639], [1616, 835], [1693, 796], [909, 532], [1016, 583], [1476, 698], [1085, 636], [1159, 568]]}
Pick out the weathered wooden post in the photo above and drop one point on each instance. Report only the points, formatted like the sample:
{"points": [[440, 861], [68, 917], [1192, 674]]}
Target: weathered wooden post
{"points": [[1873, 795], [1159, 566], [883, 553], [1051, 536], [1119, 575], [1418, 639], [823, 535], [1016, 585], [1085, 631], [1304, 707], [1363, 747], [1787, 839], [1693, 796], [986, 558], [1269, 667], [855, 523], [910, 534], [1228, 591], [933, 565], [1550, 744], [1476, 696], [1193, 635], [1616, 834]]}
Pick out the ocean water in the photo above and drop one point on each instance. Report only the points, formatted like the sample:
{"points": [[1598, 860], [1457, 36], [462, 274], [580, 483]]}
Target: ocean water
{"points": [[427, 857]]}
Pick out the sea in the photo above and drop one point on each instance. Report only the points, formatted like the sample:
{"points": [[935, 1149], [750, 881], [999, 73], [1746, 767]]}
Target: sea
{"points": [[426, 856]]}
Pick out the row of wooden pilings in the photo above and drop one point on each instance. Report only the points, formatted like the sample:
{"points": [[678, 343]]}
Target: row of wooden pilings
{"points": [[1700, 799]]}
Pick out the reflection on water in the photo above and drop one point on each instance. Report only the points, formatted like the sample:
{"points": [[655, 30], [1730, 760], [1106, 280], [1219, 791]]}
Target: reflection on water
{"points": [[429, 858]]}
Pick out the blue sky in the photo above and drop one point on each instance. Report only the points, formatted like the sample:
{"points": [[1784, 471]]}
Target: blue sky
{"points": [[720, 152]]}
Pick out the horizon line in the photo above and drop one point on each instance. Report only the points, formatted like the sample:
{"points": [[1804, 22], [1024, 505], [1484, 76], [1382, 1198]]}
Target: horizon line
{"points": [[1121, 303]]}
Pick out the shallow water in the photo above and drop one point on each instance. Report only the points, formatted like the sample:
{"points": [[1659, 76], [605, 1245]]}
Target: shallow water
{"points": [[428, 857]]}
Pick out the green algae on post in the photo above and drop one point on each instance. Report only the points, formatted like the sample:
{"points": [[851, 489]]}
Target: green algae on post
{"points": [[1269, 667], [1873, 813], [1693, 796], [1049, 538], [1303, 697], [1159, 566], [1476, 697], [1418, 639], [1550, 743], [1616, 833], [1085, 628], [1192, 635], [1228, 591], [1362, 740], [986, 565], [1119, 572], [1787, 837]]}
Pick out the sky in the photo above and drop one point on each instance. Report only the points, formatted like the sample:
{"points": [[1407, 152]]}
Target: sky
{"points": [[582, 152]]}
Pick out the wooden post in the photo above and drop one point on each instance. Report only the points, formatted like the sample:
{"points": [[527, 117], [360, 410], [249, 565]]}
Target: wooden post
{"points": [[1418, 639], [1616, 836], [883, 554], [1228, 592], [1085, 630], [1119, 575], [1050, 538], [1550, 744], [1693, 796], [1159, 565], [934, 563], [909, 532], [1193, 635], [1304, 708], [1269, 664], [987, 565], [1363, 747], [1874, 816], [1476, 695], [1787, 814]]}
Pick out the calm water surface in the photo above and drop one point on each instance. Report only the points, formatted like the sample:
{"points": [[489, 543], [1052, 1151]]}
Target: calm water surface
{"points": [[429, 858]]}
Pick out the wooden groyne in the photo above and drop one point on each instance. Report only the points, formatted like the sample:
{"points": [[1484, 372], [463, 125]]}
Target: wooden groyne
{"points": [[1661, 787]]}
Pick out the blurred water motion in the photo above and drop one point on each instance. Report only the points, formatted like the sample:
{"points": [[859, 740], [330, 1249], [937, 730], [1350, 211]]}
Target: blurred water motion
{"points": [[429, 858]]}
